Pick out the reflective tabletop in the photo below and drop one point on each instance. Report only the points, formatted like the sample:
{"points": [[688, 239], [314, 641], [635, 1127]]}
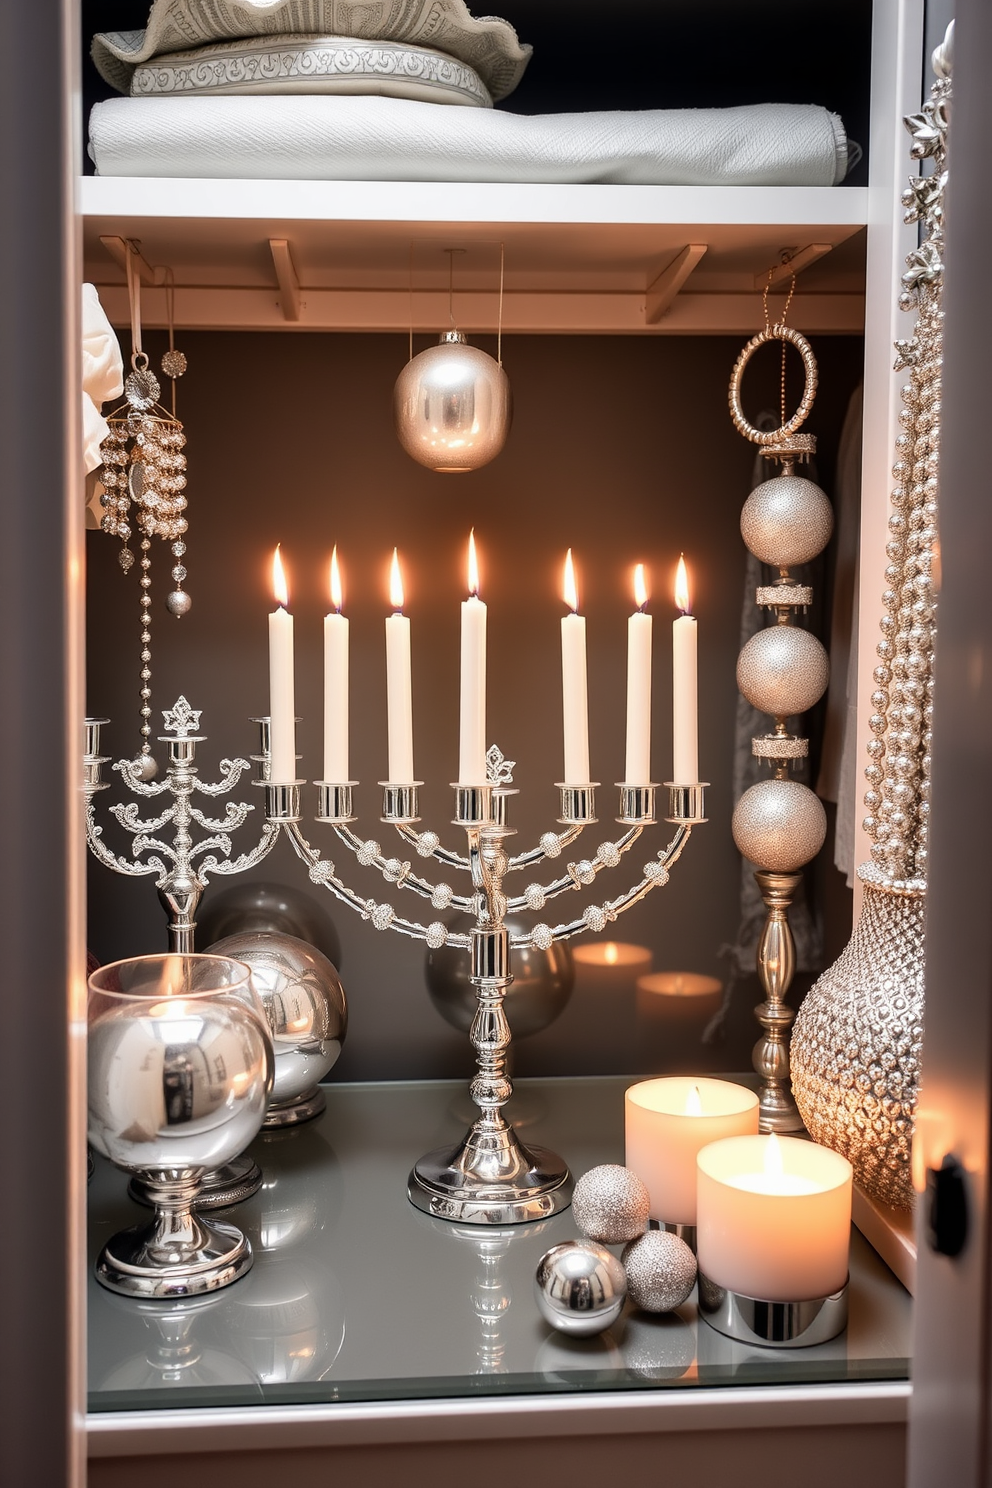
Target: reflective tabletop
{"points": [[355, 1295]]}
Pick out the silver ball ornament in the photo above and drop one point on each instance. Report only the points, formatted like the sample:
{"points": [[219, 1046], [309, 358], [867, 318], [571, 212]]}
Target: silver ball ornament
{"points": [[611, 1204], [660, 1269], [145, 767], [452, 406], [783, 670], [580, 1287], [779, 824], [178, 602], [787, 520]]}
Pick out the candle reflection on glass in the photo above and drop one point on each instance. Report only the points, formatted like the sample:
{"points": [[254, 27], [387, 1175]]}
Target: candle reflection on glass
{"points": [[613, 953]]}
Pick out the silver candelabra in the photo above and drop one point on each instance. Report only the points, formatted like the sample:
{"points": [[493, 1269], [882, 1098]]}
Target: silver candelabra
{"points": [[490, 1178]]}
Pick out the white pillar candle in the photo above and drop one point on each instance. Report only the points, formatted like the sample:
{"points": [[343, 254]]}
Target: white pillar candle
{"points": [[638, 766], [685, 770], [472, 714], [399, 685], [282, 690], [667, 1122], [575, 701], [774, 1217], [335, 683]]}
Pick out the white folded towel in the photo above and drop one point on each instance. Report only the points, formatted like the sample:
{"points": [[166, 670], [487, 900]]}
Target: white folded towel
{"points": [[103, 374], [393, 139]]}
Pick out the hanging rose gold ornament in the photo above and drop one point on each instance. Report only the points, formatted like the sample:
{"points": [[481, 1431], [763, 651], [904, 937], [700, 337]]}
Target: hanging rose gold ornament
{"points": [[452, 402]]}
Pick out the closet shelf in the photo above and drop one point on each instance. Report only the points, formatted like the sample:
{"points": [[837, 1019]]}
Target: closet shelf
{"points": [[579, 259]]}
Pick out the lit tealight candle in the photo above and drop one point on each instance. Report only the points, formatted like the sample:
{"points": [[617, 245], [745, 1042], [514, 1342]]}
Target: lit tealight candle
{"points": [[667, 1122], [774, 1217], [610, 953], [282, 688], [680, 984]]}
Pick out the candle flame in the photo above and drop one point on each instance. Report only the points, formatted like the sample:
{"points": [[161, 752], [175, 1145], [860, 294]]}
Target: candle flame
{"points": [[395, 583], [473, 565], [337, 598], [694, 1102], [279, 587], [682, 587], [640, 587], [773, 1158], [172, 977], [569, 587], [610, 953]]}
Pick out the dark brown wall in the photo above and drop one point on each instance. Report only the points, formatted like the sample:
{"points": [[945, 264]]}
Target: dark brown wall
{"points": [[621, 448]]}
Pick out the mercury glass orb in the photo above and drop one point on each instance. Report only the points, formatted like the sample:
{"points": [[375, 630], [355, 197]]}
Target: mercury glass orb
{"points": [[265, 905], [452, 406], [179, 1072], [307, 1014], [787, 520], [783, 670], [779, 824], [541, 987]]}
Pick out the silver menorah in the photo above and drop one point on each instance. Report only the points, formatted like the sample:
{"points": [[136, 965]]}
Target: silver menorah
{"points": [[491, 1177]]}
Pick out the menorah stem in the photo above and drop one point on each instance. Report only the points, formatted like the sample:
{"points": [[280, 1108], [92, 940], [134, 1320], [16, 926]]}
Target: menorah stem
{"points": [[180, 894]]}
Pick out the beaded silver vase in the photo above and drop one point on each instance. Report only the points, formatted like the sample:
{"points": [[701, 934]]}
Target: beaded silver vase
{"points": [[857, 1038]]}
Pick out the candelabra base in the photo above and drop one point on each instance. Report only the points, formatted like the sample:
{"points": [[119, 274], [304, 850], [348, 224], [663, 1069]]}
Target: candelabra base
{"points": [[136, 1263], [303, 1107], [491, 1178], [219, 1187]]}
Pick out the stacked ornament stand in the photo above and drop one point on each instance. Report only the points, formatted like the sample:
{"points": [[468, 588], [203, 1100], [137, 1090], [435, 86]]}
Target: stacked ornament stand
{"points": [[783, 670]]}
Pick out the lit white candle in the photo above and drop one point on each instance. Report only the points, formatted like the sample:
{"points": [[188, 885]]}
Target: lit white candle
{"points": [[638, 766], [472, 716], [575, 703], [684, 725], [282, 689], [774, 1217], [335, 683], [667, 1122], [399, 686]]}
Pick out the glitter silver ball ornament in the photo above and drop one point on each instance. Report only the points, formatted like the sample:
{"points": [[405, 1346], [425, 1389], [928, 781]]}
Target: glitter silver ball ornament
{"points": [[580, 1287], [661, 1271], [178, 602], [857, 1042], [452, 406], [783, 670], [174, 363], [779, 824], [611, 1204], [787, 520]]}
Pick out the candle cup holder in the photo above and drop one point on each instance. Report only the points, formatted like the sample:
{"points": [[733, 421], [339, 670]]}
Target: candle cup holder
{"points": [[772, 1324], [687, 803], [282, 800], [264, 757], [637, 804], [335, 801], [400, 803], [578, 804], [473, 805]]}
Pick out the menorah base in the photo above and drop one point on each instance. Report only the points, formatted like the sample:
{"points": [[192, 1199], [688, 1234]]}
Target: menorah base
{"points": [[491, 1178]]}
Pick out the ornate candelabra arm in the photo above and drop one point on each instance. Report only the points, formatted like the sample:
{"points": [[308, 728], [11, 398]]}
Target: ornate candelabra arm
{"points": [[383, 916], [231, 772], [127, 769], [578, 875], [235, 815], [109, 859], [428, 845], [265, 844], [127, 814], [597, 916], [369, 854]]}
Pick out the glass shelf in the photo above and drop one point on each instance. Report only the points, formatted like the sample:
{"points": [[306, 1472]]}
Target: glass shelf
{"points": [[357, 1296]]}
